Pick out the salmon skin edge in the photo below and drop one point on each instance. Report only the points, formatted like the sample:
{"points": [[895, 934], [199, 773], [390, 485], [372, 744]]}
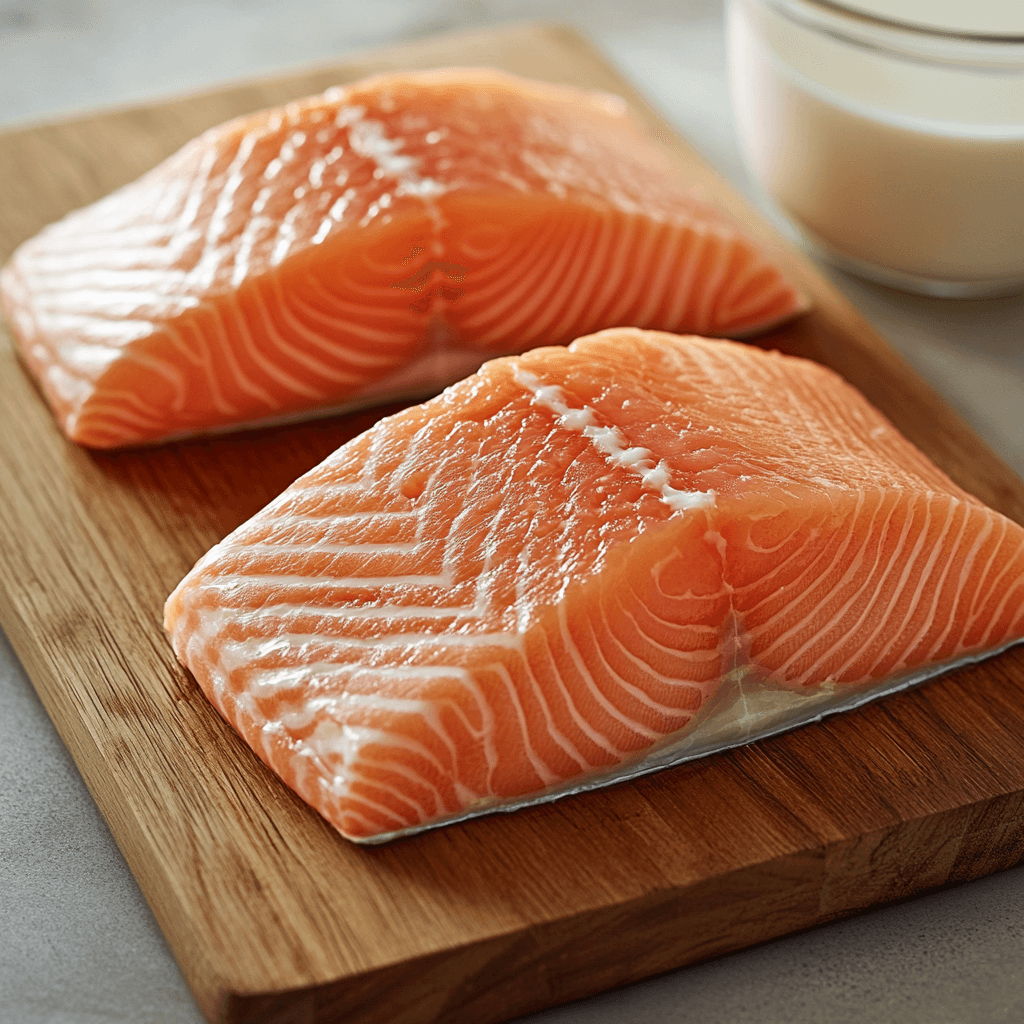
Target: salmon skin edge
{"points": [[675, 749]]}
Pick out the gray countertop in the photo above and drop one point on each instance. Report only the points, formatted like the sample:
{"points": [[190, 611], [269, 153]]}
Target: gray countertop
{"points": [[78, 944]]}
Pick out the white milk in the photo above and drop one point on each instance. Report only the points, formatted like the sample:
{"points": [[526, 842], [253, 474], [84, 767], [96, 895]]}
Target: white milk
{"points": [[908, 169]]}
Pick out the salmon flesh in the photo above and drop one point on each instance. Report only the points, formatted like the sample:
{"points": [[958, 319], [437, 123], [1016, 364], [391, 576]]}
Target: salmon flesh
{"points": [[375, 242], [581, 564]]}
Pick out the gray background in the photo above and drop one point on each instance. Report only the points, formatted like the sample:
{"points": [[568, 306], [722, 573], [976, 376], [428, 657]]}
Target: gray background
{"points": [[77, 942]]}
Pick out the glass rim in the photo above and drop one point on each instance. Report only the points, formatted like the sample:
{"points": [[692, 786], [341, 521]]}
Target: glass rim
{"points": [[997, 53], [845, 11]]}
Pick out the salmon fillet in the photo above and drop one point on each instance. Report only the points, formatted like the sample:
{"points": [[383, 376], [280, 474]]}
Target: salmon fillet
{"points": [[583, 563], [380, 240]]}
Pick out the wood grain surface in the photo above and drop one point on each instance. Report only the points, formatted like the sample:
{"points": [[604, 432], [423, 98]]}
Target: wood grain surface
{"points": [[272, 916]]}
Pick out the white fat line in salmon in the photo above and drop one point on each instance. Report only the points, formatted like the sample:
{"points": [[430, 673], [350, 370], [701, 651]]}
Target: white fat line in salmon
{"points": [[319, 547], [443, 579], [369, 139], [611, 442]]}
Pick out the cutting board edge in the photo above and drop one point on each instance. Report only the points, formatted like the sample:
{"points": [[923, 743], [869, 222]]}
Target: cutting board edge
{"points": [[170, 97], [112, 800], [324, 1001]]}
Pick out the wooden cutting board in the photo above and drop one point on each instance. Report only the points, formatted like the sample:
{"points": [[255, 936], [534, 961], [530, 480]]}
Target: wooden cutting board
{"points": [[272, 916]]}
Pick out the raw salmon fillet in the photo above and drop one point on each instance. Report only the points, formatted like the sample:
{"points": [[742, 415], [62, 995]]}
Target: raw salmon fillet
{"points": [[583, 563], [379, 240]]}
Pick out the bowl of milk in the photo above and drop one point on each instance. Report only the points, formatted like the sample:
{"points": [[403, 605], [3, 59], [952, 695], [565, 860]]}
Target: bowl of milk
{"points": [[889, 134]]}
